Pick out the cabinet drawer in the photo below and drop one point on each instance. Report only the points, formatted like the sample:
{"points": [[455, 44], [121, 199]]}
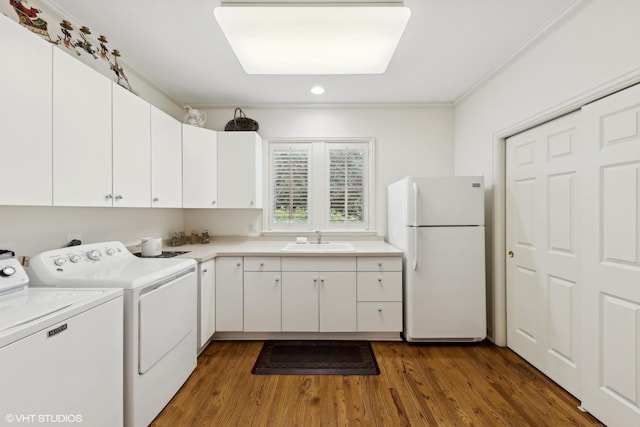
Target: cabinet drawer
{"points": [[379, 263], [382, 286], [265, 263], [379, 316], [308, 263]]}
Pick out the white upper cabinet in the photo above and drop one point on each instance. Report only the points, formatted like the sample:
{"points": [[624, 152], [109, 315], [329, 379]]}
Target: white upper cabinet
{"points": [[239, 170], [166, 160], [131, 149], [81, 134], [199, 168], [25, 108]]}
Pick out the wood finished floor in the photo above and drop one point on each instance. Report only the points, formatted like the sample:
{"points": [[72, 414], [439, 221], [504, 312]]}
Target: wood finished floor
{"points": [[419, 385]]}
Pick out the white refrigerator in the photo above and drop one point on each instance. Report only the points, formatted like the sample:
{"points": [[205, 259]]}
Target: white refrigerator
{"points": [[439, 224]]}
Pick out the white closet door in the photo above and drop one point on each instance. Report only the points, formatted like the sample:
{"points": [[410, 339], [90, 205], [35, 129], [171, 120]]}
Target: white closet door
{"points": [[542, 282], [610, 326]]}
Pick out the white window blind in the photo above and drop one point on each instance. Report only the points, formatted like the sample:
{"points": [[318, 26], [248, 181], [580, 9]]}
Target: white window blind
{"points": [[290, 184], [347, 185]]}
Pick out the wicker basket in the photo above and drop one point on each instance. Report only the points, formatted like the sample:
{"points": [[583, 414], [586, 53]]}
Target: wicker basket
{"points": [[241, 122]]}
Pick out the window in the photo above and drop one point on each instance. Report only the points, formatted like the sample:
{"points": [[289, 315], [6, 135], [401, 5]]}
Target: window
{"points": [[320, 184], [290, 184]]}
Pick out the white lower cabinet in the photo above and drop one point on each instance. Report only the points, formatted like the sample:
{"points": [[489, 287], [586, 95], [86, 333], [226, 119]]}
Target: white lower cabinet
{"points": [[262, 294], [229, 294], [308, 294], [206, 302], [300, 309], [337, 295], [318, 294], [262, 301], [379, 294]]}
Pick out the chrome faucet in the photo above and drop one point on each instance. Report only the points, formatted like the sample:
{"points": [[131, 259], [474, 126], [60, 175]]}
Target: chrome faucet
{"points": [[319, 236]]}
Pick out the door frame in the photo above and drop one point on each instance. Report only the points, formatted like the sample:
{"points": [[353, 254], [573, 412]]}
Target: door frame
{"points": [[497, 327]]}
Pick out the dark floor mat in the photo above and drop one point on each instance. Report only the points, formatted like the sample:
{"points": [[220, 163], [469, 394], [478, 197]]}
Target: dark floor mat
{"points": [[316, 358]]}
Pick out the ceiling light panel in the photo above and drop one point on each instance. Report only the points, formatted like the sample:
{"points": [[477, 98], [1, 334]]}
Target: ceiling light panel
{"points": [[313, 39]]}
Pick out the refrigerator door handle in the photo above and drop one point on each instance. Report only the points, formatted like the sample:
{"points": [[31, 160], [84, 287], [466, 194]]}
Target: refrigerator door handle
{"points": [[415, 248], [415, 203]]}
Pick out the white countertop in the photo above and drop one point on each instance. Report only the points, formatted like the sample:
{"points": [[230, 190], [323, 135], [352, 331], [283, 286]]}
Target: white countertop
{"points": [[252, 247]]}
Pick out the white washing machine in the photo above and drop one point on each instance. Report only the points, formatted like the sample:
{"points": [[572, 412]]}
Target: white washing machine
{"points": [[159, 316], [60, 353]]}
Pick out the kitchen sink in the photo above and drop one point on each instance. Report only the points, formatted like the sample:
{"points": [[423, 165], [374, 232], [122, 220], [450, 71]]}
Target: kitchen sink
{"points": [[318, 247]]}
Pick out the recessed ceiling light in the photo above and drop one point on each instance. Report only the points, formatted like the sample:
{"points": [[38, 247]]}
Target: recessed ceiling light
{"points": [[317, 90], [313, 39]]}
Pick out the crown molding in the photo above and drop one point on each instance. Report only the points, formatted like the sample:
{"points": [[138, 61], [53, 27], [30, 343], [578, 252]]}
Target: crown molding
{"points": [[554, 23]]}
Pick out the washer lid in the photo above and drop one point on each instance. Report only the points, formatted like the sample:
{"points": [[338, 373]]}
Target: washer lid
{"points": [[20, 308]]}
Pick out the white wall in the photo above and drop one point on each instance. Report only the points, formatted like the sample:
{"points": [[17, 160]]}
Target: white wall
{"points": [[30, 230], [413, 140], [595, 52]]}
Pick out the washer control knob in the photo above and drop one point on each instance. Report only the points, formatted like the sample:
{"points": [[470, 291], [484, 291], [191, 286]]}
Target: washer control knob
{"points": [[60, 262], [7, 271], [75, 258], [94, 255], [110, 251]]}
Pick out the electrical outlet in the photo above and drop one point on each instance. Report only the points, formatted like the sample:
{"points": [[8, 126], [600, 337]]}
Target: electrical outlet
{"points": [[71, 237]]}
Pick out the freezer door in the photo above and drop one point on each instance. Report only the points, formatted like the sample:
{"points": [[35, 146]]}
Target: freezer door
{"points": [[443, 201], [445, 284]]}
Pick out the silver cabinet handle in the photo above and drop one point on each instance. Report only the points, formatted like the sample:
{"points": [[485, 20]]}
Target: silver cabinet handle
{"points": [[109, 196], [155, 199], [119, 197], [379, 310], [213, 203], [204, 271], [251, 203], [238, 264], [380, 280]]}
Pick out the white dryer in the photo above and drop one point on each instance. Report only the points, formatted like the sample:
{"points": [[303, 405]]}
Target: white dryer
{"points": [[159, 316], [60, 353]]}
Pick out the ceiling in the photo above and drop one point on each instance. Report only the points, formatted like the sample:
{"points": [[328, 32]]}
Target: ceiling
{"points": [[448, 47]]}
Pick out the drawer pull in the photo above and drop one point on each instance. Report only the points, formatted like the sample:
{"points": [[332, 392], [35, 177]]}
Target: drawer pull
{"points": [[238, 264], [379, 264], [262, 264], [380, 280], [379, 310]]}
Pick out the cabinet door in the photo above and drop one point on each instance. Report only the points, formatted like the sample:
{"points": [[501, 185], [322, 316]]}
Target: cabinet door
{"points": [[131, 149], [229, 304], [299, 301], [199, 167], [206, 302], [81, 134], [25, 108], [262, 301], [239, 170], [166, 160], [337, 301]]}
